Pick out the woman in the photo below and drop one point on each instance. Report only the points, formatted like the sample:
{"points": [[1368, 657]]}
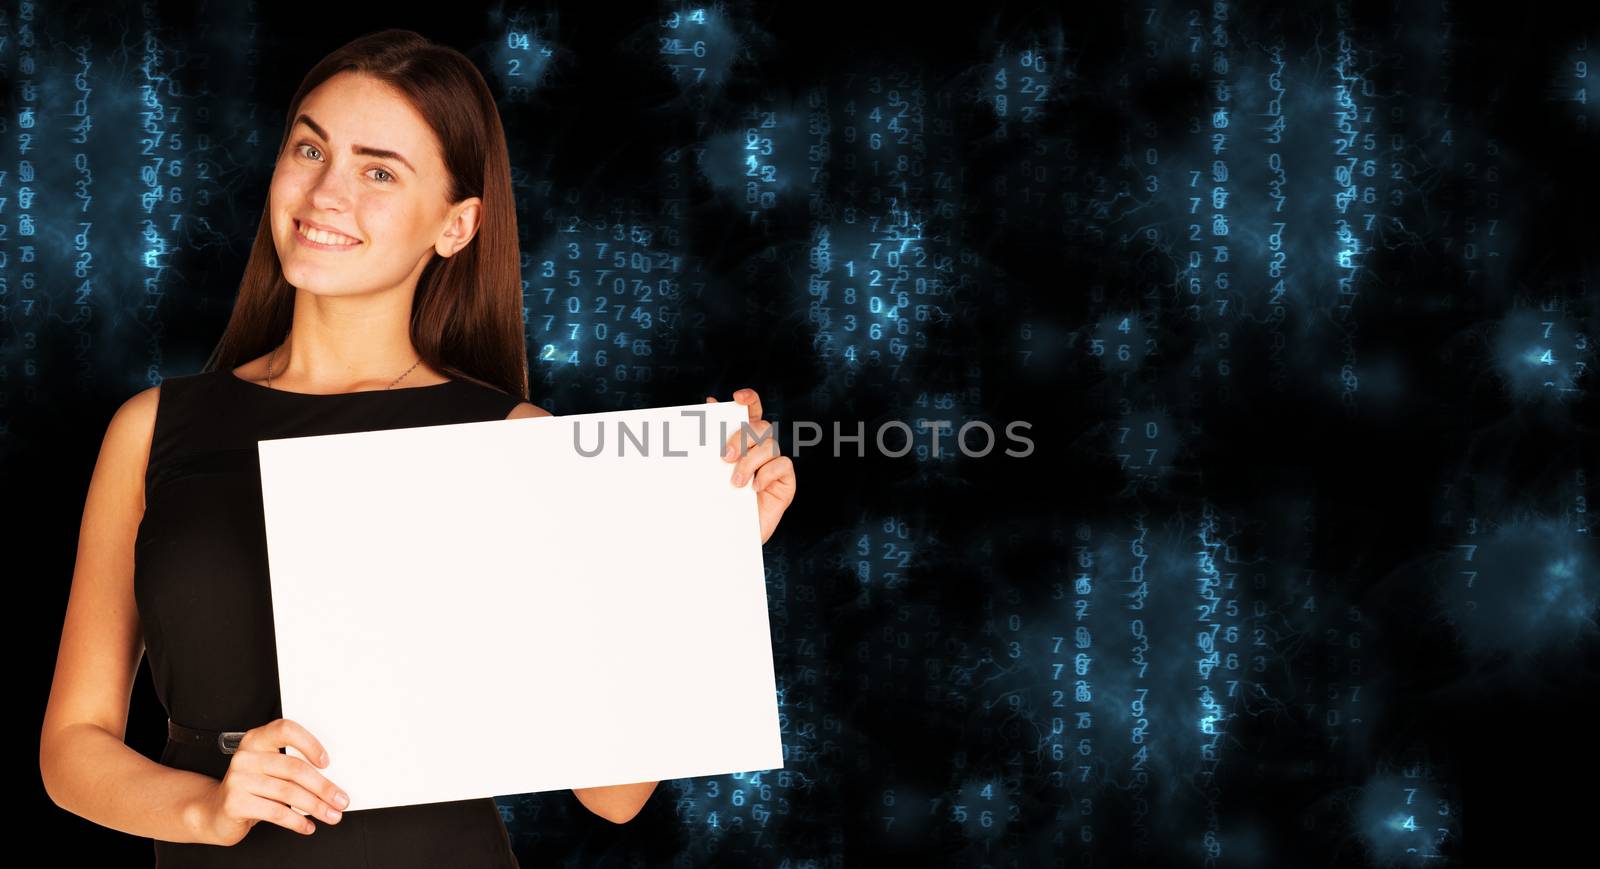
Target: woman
{"points": [[382, 291]]}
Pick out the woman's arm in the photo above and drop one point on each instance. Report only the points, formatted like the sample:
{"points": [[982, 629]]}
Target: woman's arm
{"points": [[616, 803], [87, 767]]}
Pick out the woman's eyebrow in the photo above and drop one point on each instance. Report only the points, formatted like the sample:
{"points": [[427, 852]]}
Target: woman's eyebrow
{"points": [[355, 149]]}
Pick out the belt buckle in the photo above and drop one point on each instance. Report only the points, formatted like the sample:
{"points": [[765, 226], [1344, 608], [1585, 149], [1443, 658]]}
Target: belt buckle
{"points": [[228, 741]]}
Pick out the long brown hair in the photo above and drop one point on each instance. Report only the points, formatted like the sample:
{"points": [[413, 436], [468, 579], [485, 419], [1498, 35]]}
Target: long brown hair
{"points": [[466, 315]]}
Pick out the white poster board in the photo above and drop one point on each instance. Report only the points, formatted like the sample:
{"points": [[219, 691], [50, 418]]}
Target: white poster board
{"points": [[479, 609]]}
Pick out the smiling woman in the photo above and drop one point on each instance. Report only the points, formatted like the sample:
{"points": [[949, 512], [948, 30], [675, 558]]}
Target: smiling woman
{"points": [[388, 245]]}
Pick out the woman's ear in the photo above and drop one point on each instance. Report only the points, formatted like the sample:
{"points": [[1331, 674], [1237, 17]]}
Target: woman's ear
{"points": [[461, 227]]}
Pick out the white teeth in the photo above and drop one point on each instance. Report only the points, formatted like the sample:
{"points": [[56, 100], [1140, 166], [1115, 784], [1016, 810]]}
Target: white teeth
{"points": [[321, 237]]}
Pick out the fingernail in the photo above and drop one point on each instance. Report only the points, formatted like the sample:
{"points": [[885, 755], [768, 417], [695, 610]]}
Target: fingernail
{"points": [[342, 800], [729, 452], [324, 760], [738, 479]]}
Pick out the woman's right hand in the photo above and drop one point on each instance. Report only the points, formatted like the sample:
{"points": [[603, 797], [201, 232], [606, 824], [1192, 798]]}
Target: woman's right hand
{"points": [[263, 784]]}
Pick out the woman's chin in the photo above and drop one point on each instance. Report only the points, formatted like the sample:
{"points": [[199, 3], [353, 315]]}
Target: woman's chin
{"points": [[318, 282]]}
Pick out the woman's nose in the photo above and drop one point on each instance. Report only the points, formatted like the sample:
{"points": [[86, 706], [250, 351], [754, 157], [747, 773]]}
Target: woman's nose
{"points": [[329, 192]]}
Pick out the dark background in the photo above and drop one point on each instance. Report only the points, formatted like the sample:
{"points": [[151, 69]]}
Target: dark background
{"points": [[1312, 408]]}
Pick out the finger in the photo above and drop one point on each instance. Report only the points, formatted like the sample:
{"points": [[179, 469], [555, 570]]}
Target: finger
{"points": [[291, 732], [306, 776], [284, 733], [777, 477], [275, 812], [748, 396], [755, 454], [295, 796], [750, 465], [740, 444]]}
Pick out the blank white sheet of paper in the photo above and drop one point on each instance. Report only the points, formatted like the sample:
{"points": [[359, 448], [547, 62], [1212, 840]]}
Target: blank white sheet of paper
{"points": [[479, 609]]}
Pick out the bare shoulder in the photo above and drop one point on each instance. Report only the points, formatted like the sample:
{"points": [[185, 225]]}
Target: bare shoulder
{"points": [[525, 410], [137, 415], [126, 448]]}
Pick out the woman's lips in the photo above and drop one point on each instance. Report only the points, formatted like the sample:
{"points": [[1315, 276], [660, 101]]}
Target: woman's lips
{"points": [[317, 245]]}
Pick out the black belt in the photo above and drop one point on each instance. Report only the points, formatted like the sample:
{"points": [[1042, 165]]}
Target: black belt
{"points": [[225, 741]]}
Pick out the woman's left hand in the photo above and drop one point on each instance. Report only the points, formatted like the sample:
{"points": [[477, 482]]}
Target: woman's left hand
{"points": [[763, 462]]}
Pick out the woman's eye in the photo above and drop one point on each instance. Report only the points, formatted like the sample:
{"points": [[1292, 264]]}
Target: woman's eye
{"points": [[388, 177]]}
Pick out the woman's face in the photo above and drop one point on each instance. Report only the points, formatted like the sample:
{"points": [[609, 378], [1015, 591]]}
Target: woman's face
{"points": [[360, 161]]}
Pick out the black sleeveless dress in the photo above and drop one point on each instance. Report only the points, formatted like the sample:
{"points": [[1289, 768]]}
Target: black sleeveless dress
{"points": [[205, 605]]}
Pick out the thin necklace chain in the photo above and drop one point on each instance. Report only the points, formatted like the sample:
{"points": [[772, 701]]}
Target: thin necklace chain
{"points": [[280, 346]]}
